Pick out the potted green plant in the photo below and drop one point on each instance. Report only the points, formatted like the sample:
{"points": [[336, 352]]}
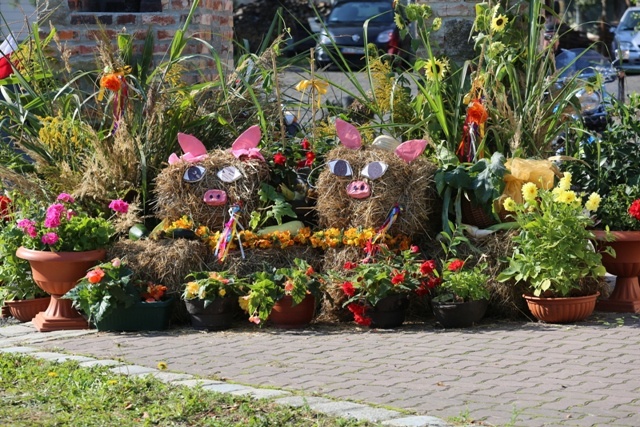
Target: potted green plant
{"points": [[18, 291], [376, 290], [619, 232], [211, 299], [553, 254], [61, 242], [112, 300], [459, 296], [286, 296]]}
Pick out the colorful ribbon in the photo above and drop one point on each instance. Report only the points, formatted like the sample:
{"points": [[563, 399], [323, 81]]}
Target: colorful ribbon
{"points": [[230, 230]]}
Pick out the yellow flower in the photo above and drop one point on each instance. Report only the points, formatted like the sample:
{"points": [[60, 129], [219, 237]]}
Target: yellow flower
{"points": [[436, 68], [593, 203], [52, 374], [567, 197], [565, 181], [192, 289], [498, 23], [243, 302], [529, 191], [509, 205], [437, 23], [222, 292], [112, 382], [162, 365]]}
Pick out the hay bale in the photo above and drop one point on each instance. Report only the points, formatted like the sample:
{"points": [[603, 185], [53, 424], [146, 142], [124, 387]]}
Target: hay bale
{"points": [[409, 185], [165, 261], [174, 197], [260, 259]]}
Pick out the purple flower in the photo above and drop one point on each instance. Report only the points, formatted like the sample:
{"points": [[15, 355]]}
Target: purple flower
{"points": [[54, 211], [28, 227], [119, 206], [50, 238], [64, 197]]}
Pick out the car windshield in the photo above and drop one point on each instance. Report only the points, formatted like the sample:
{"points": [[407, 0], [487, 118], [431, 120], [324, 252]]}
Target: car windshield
{"points": [[630, 20], [361, 11]]}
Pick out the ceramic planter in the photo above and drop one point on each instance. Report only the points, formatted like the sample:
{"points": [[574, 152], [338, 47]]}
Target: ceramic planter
{"points": [[141, 316], [389, 312], [217, 316], [561, 310], [288, 316], [626, 267], [25, 310], [459, 314], [56, 273]]}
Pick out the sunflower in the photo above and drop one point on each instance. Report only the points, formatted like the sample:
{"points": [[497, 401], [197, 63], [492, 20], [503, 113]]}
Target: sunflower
{"points": [[498, 23], [436, 68]]}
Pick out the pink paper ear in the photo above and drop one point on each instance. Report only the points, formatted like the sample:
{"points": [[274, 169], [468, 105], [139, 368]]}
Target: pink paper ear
{"points": [[173, 158], [191, 145], [246, 144], [348, 134], [410, 150]]}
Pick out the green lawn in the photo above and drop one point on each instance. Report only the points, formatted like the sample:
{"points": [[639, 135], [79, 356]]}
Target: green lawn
{"points": [[43, 393]]}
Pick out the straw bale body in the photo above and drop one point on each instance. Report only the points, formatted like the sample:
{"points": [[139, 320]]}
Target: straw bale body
{"points": [[175, 197], [409, 185]]}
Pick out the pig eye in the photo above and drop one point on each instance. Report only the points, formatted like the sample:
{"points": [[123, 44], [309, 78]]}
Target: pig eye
{"points": [[374, 170], [340, 168], [194, 174], [229, 174]]}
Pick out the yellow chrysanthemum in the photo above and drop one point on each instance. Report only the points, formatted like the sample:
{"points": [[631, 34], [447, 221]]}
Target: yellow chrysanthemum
{"points": [[593, 203], [222, 292], [529, 191], [567, 197], [509, 205], [565, 181], [436, 68], [498, 23]]}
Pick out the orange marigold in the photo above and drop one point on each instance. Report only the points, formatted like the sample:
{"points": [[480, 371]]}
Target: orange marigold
{"points": [[111, 82]]}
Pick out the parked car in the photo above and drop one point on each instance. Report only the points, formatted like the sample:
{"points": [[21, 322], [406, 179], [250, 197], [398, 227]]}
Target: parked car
{"points": [[343, 32], [626, 40]]}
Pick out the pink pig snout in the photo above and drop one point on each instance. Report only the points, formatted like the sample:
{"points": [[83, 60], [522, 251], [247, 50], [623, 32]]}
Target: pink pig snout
{"points": [[358, 190], [215, 197]]}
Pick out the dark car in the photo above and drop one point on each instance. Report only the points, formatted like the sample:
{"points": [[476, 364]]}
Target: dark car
{"points": [[343, 34]]}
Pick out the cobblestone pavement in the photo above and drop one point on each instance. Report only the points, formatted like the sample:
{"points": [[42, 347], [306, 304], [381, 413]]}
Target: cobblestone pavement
{"points": [[503, 373]]}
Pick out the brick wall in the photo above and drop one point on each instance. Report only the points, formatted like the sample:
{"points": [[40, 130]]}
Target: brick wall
{"points": [[212, 22]]}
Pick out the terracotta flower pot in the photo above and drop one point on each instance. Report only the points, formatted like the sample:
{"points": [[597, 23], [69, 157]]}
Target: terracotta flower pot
{"points": [[459, 314], [288, 316], [561, 310], [25, 310], [217, 316], [389, 312], [56, 273], [626, 267]]}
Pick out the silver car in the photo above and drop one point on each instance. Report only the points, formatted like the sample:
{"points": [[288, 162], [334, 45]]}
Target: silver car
{"points": [[626, 40]]}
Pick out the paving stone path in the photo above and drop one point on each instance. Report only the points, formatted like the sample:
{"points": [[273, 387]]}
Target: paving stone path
{"points": [[503, 373]]}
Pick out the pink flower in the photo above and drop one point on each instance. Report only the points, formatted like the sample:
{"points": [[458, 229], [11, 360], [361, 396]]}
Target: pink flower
{"points": [[116, 262], [254, 319], [70, 214], [64, 197], [54, 212], [414, 249], [50, 238], [23, 224], [119, 206], [288, 286]]}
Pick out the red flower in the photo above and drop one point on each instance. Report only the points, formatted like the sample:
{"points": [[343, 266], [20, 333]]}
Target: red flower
{"points": [[348, 289], [356, 309], [414, 249], [433, 282], [455, 265], [427, 267], [309, 271], [634, 209], [310, 158], [422, 290], [279, 159], [398, 278], [95, 276], [5, 207], [305, 144], [349, 265], [476, 113], [362, 320]]}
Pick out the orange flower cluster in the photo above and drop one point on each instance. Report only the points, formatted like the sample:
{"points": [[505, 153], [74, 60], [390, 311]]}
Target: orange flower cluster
{"points": [[154, 292]]}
